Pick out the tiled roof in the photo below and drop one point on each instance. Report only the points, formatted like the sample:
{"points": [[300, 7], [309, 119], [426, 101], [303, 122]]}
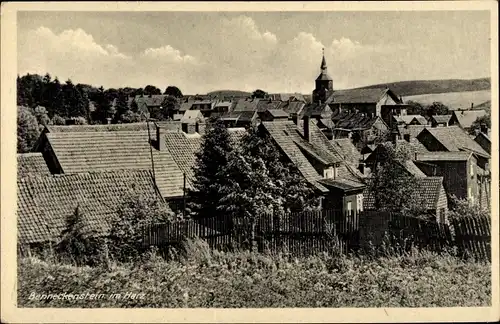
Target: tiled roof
{"points": [[185, 106], [441, 118], [100, 128], [264, 105], [467, 117], [428, 191], [150, 101], [348, 150], [412, 146], [293, 107], [317, 110], [247, 104], [455, 138], [352, 120], [31, 163], [343, 184], [357, 95], [443, 156], [412, 130], [413, 169], [183, 148], [284, 133], [192, 116], [287, 96], [278, 113], [79, 152], [46, 202]]}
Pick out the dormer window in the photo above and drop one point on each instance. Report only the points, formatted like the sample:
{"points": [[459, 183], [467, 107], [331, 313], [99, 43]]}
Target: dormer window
{"points": [[329, 172]]}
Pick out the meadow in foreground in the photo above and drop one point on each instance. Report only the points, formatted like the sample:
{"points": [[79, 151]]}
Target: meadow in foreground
{"points": [[205, 278]]}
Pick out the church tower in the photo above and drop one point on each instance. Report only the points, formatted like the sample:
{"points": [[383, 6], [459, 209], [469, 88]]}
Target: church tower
{"points": [[324, 84]]}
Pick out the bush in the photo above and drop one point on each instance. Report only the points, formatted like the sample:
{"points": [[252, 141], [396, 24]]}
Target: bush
{"points": [[126, 235], [246, 279], [58, 120], [27, 130], [462, 208]]}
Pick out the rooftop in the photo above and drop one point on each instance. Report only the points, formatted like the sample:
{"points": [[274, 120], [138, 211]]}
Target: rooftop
{"points": [[371, 95], [467, 117], [31, 163], [454, 138], [79, 152], [44, 203]]}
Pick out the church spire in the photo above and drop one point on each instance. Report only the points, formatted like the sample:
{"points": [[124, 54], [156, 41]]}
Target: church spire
{"points": [[323, 61]]}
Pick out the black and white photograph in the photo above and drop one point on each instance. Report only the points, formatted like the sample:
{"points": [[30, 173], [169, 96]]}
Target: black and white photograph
{"points": [[252, 158]]}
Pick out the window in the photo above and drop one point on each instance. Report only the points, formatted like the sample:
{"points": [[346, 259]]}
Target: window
{"points": [[471, 168], [359, 201], [471, 196], [349, 206], [328, 173]]}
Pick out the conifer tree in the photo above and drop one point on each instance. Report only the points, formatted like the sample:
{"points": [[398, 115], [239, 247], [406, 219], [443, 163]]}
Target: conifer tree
{"points": [[121, 106], [209, 176]]}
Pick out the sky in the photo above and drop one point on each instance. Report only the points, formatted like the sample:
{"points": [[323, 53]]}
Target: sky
{"points": [[274, 51]]}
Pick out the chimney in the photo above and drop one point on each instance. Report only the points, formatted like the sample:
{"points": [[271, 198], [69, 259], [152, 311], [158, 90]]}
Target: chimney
{"points": [[294, 119], [394, 136], [471, 106], [160, 138], [484, 129], [361, 167], [415, 156], [108, 120], [306, 128]]}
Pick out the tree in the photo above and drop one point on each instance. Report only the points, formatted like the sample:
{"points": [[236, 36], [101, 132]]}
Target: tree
{"points": [[58, 120], [476, 125], [104, 109], [173, 91], [151, 90], [121, 106], [209, 176], [259, 94], [170, 106], [42, 116], [27, 129], [79, 242], [437, 108], [133, 214], [393, 188], [260, 181]]}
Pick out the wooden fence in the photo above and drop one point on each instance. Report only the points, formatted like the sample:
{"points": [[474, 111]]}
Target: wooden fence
{"points": [[311, 232]]}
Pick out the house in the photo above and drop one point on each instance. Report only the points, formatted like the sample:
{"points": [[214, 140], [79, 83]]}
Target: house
{"points": [[369, 101], [334, 179], [102, 148], [246, 104], [287, 97], [459, 171], [272, 114], [148, 103], [206, 107], [483, 139], [440, 120], [350, 153], [294, 109], [411, 120], [317, 111], [431, 192], [243, 118], [465, 118], [360, 127], [379, 155], [409, 132], [45, 201]]}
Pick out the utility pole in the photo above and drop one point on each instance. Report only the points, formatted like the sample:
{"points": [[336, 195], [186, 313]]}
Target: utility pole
{"points": [[184, 197], [151, 151]]}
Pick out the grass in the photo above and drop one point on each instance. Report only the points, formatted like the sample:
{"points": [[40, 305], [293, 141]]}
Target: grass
{"points": [[204, 278]]}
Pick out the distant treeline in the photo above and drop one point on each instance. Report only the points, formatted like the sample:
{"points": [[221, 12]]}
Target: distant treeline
{"points": [[67, 100]]}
